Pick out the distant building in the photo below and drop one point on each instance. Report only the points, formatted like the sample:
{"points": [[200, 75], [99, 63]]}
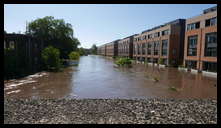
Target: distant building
{"points": [[102, 50], [112, 48], [200, 51], [125, 47]]}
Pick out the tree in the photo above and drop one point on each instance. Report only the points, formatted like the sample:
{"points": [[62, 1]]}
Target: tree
{"points": [[51, 58], [81, 51], [74, 56], [54, 32], [94, 49]]}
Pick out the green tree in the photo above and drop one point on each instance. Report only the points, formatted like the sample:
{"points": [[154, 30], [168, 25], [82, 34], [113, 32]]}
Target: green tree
{"points": [[54, 32], [51, 58], [74, 56], [81, 51], [94, 49]]}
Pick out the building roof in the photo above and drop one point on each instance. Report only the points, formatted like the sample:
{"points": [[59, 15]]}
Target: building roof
{"points": [[168, 23]]}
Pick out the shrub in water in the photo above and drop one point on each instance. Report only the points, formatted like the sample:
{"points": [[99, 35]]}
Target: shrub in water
{"points": [[51, 58], [74, 56], [123, 61]]}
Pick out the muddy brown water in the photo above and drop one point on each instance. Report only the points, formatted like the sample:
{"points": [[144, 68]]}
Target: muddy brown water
{"points": [[96, 77]]}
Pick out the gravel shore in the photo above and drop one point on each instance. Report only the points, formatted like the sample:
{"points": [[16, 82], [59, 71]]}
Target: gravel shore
{"points": [[110, 111]]}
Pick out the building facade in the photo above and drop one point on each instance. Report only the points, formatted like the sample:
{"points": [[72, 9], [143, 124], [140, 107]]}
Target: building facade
{"points": [[163, 43], [101, 50], [26, 51], [125, 47], [200, 52], [112, 48]]}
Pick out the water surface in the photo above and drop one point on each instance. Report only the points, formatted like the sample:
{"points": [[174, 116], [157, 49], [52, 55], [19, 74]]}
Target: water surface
{"points": [[96, 77]]}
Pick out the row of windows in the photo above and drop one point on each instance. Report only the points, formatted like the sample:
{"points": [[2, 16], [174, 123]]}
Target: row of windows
{"points": [[156, 47], [207, 66], [210, 45], [196, 25], [157, 34]]}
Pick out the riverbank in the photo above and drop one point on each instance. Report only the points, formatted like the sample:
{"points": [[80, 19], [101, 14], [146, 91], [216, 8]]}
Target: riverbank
{"points": [[110, 111]]}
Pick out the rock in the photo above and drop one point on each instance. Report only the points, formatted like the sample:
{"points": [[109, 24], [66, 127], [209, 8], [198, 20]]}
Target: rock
{"points": [[111, 111]]}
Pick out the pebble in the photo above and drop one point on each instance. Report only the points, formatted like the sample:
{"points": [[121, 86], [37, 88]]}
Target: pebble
{"points": [[110, 111]]}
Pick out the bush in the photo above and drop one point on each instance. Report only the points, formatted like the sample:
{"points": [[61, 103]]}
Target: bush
{"points": [[51, 58], [160, 61], [181, 66], [74, 56], [123, 61]]}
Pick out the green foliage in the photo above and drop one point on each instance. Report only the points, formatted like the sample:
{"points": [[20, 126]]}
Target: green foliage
{"points": [[74, 56], [160, 61], [54, 32], [123, 62], [94, 49], [181, 66], [51, 58], [156, 79], [81, 51], [173, 88]]}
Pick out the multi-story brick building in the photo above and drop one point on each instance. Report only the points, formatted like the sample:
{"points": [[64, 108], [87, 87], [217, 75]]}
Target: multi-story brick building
{"points": [[125, 47], [112, 48], [99, 50], [164, 41], [102, 50], [201, 41]]}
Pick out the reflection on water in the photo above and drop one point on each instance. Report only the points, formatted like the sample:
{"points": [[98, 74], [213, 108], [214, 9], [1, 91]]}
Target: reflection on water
{"points": [[96, 77]]}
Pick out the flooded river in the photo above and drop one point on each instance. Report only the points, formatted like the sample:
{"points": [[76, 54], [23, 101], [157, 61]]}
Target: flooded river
{"points": [[96, 77]]}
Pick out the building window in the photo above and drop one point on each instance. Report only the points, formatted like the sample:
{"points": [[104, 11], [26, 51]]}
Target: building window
{"points": [[191, 64], [12, 44], [138, 49], [211, 44], [193, 26], [210, 66], [210, 22], [155, 60], [157, 34], [150, 36], [145, 37], [143, 49], [165, 32], [149, 49], [192, 46], [164, 47], [156, 47], [174, 51], [149, 60], [165, 61]]}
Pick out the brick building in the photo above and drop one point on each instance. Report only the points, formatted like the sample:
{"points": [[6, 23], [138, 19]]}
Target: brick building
{"points": [[125, 47], [164, 41], [201, 41], [112, 48], [102, 50]]}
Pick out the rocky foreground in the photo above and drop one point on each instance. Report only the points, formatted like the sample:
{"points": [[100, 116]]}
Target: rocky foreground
{"points": [[110, 111]]}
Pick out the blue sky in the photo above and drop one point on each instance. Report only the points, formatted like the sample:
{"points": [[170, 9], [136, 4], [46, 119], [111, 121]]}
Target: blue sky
{"points": [[99, 23]]}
